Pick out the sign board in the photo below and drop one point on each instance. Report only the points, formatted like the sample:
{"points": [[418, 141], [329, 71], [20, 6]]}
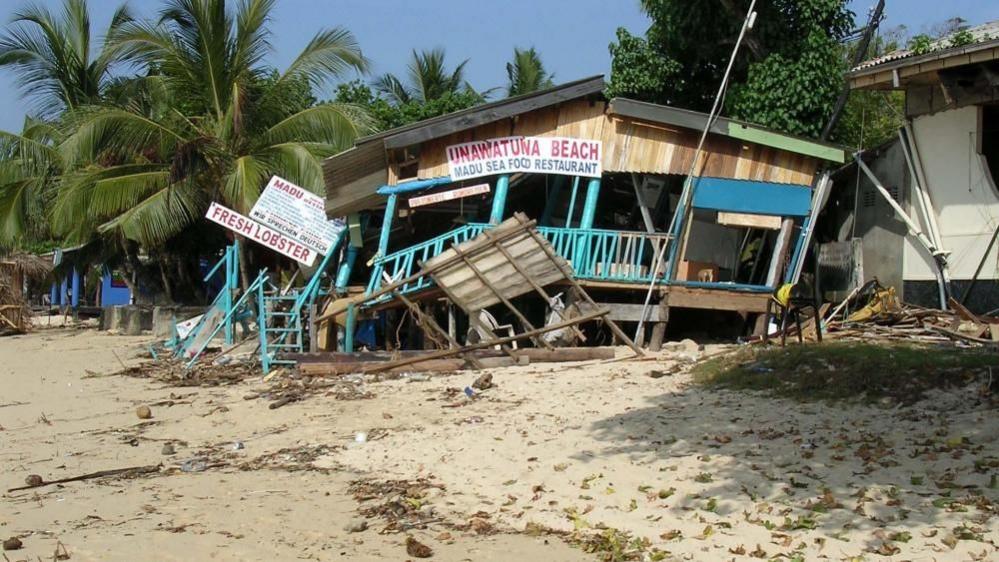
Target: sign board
{"points": [[449, 195], [535, 155], [298, 214], [769, 222], [261, 234]]}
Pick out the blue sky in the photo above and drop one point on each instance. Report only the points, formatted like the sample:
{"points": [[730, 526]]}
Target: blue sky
{"points": [[571, 35]]}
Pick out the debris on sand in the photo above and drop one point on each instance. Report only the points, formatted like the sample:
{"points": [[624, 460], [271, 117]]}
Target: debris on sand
{"points": [[484, 382], [403, 504], [417, 549], [143, 412], [356, 526], [14, 543]]}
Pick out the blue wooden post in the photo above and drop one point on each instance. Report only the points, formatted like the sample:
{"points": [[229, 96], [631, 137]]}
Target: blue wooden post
{"points": [[572, 202], [265, 358], [231, 282], [343, 274], [678, 228], [75, 287], [348, 331], [546, 216], [499, 199], [383, 239], [590, 206], [62, 293], [53, 294]]}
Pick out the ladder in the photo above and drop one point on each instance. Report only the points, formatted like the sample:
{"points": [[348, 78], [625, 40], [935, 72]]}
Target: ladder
{"points": [[279, 317], [279, 325]]}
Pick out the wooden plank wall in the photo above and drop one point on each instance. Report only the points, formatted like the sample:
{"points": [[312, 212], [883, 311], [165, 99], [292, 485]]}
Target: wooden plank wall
{"points": [[634, 146]]}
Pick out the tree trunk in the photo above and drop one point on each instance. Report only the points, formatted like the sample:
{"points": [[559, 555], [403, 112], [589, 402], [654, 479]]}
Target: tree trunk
{"points": [[244, 275], [167, 287]]}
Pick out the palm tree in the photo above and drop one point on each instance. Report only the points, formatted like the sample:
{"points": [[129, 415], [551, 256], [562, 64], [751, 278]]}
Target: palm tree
{"points": [[29, 167], [526, 73], [52, 55], [428, 79], [52, 58], [211, 123]]}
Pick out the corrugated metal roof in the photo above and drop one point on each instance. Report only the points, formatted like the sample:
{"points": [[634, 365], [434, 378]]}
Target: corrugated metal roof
{"points": [[985, 32]]}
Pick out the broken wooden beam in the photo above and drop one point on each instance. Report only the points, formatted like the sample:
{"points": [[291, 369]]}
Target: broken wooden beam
{"points": [[482, 345]]}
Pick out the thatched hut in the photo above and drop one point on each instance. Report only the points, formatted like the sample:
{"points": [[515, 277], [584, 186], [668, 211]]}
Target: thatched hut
{"points": [[15, 270]]}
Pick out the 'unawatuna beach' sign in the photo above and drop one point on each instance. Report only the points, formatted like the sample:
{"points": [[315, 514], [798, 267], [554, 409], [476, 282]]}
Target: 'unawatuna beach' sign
{"points": [[535, 155]]}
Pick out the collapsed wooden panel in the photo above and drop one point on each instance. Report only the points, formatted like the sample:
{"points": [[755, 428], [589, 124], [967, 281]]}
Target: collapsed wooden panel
{"points": [[501, 276]]}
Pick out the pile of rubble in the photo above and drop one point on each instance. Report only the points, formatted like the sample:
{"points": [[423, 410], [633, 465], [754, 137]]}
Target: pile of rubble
{"points": [[877, 313]]}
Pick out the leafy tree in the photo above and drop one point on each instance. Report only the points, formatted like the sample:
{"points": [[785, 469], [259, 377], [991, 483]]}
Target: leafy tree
{"points": [[785, 77], [871, 118], [211, 121], [386, 115], [526, 73]]}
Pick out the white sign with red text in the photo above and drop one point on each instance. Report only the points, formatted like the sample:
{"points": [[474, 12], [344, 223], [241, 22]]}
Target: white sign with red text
{"points": [[535, 155], [263, 235], [298, 214], [449, 195]]}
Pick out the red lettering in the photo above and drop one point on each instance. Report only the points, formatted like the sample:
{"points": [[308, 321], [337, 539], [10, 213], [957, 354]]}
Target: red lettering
{"points": [[594, 152]]}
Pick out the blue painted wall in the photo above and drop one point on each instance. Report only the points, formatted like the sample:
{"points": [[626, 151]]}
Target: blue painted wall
{"points": [[114, 292]]}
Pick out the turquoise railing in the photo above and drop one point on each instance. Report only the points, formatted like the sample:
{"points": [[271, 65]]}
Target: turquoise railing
{"points": [[403, 263], [600, 255], [608, 255]]}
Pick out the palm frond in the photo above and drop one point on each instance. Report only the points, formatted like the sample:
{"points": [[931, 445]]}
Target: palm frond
{"points": [[391, 87], [330, 54], [14, 197], [296, 163], [243, 183], [252, 38], [336, 124], [526, 73], [50, 55], [159, 217], [99, 129]]}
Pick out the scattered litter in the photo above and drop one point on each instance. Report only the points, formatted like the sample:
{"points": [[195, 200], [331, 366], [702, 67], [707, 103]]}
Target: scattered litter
{"points": [[12, 543], [194, 465], [360, 437], [143, 412], [168, 449]]}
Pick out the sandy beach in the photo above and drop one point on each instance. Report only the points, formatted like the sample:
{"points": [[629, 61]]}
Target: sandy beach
{"points": [[531, 469]]}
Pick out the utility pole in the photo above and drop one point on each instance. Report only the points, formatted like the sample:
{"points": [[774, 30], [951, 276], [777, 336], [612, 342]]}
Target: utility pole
{"points": [[858, 57]]}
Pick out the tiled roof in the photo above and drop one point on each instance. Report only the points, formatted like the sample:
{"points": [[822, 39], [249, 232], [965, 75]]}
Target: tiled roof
{"points": [[985, 32]]}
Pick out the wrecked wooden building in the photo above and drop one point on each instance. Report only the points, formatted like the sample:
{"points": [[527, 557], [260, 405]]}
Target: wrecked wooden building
{"points": [[921, 212], [603, 179]]}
